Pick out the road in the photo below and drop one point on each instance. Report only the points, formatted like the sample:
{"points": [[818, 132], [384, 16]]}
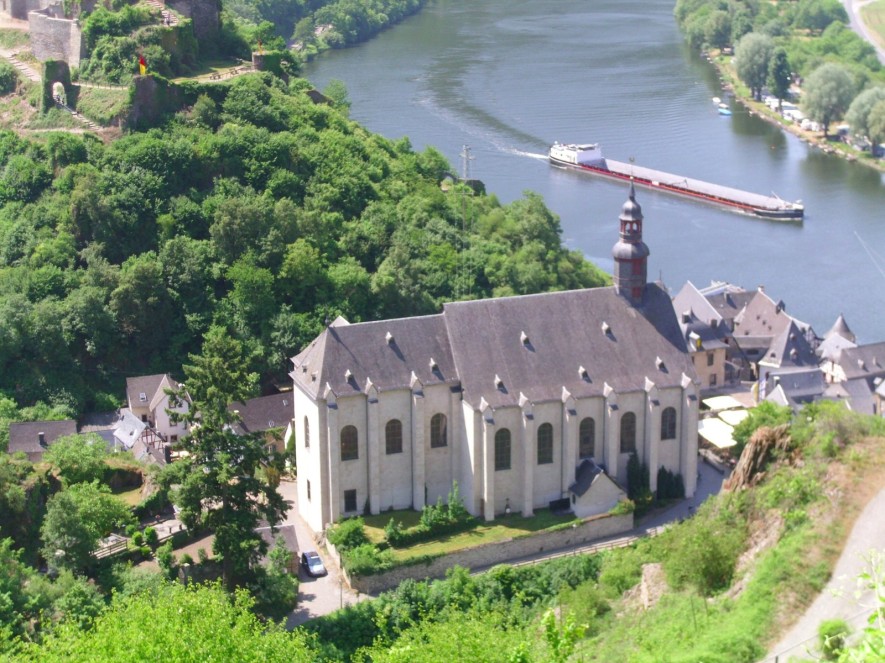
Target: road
{"points": [[853, 8], [839, 599], [316, 596]]}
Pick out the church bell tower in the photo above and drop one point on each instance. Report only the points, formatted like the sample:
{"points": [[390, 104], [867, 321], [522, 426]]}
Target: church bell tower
{"points": [[631, 253]]}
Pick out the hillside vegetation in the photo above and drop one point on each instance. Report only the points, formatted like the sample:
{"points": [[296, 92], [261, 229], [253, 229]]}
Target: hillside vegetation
{"points": [[256, 210]]}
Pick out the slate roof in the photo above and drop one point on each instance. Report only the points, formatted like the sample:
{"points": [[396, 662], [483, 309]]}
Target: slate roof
{"points": [[727, 300], [345, 356], [840, 328], [25, 436], [699, 335], [860, 396], [832, 345], [585, 474], [144, 384], [800, 384], [129, 428], [790, 348], [863, 361], [690, 299], [565, 331], [497, 349], [264, 413]]}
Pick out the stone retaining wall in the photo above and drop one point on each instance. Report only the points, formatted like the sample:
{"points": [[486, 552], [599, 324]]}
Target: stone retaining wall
{"points": [[489, 554]]}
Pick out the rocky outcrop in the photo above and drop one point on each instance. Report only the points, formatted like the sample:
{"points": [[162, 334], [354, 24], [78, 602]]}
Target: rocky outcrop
{"points": [[759, 452]]}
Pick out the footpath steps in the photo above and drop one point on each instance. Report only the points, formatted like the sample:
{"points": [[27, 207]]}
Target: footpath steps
{"points": [[169, 17], [23, 68], [82, 119]]}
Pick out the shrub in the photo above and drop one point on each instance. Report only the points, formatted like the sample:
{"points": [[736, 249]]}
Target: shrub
{"points": [[366, 559], [166, 560], [832, 634], [186, 559], [138, 539], [393, 532], [8, 78], [151, 537], [202, 556], [348, 534], [670, 486]]}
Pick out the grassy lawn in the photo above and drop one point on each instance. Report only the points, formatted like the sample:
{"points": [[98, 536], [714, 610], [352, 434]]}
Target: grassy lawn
{"points": [[499, 530], [130, 497], [873, 16], [102, 106], [14, 38], [206, 69]]}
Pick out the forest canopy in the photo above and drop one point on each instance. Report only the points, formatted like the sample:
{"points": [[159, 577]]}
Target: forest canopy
{"points": [[259, 211]]}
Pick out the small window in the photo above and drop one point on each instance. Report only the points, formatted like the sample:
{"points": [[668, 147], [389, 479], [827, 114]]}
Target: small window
{"points": [[628, 433], [668, 423], [393, 434], [173, 439], [502, 450], [349, 443], [438, 433], [349, 501], [308, 490], [306, 433], [587, 438], [142, 397], [709, 359], [545, 444], [712, 379]]}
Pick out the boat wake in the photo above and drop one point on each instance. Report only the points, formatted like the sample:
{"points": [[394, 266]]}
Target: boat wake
{"points": [[523, 153]]}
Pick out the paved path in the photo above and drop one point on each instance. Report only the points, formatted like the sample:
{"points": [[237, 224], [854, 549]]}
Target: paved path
{"points": [[853, 8], [23, 67], [839, 600]]}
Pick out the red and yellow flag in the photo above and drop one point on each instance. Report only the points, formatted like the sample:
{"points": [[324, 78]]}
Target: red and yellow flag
{"points": [[142, 65]]}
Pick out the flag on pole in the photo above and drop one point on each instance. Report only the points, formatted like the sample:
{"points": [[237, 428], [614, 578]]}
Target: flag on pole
{"points": [[142, 65]]}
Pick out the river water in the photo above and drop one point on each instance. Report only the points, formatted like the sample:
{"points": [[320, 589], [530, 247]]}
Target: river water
{"points": [[508, 77]]}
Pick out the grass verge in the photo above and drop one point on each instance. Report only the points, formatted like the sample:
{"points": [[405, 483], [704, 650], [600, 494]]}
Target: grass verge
{"points": [[873, 16], [103, 106]]}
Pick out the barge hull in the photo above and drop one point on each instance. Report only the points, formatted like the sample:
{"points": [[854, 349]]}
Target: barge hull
{"points": [[768, 207]]}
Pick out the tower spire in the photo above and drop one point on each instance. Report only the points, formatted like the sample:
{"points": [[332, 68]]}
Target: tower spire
{"points": [[630, 252]]}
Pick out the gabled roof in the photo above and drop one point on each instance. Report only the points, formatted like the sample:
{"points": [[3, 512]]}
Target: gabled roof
{"points": [[129, 428], [147, 385], [800, 384], [387, 352], [25, 436], [860, 396], [700, 335], [585, 475], [160, 394], [536, 345], [263, 413], [764, 318], [790, 348], [690, 300], [832, 345], [863, 361], [726, 299], [501, 349]]}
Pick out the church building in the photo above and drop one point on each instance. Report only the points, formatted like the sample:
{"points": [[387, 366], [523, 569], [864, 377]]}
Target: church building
{"points": [[523, 401]]}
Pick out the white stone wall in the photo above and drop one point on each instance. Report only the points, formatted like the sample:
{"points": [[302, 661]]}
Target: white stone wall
{"points": [[547, 478], [308, 460], [352, 474], [395, 469], [438, 462]]}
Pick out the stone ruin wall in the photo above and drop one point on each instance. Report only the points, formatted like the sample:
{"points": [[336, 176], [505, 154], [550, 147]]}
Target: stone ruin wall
{"points": [[56, 38], [205, 15]]}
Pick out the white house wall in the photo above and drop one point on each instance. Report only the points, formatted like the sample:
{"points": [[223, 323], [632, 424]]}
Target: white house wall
{"points": [[547, 483], [438, 462], [396, 469], [308, 460], [352, 474]]}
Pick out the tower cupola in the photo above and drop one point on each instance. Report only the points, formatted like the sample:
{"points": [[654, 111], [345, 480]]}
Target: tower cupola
{"points": [[630, 252]]}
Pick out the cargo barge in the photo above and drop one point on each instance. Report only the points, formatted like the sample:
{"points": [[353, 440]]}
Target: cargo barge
{"points": [[589, 158]]}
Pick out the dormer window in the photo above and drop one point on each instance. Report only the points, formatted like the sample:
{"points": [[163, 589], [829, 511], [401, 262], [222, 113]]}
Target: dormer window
{"points": [[660, 364], [499, 383], [606, 328], [585, 376], [433, 365], [142, 397], [389, 338], [348, 375], [524, 338]]}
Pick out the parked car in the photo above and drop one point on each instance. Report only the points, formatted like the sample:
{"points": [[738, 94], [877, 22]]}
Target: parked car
{"points": [[312, 564]]}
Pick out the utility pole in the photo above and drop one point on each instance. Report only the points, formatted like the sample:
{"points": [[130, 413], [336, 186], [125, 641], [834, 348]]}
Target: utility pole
{"points": [[465, 162], [466, 158]]}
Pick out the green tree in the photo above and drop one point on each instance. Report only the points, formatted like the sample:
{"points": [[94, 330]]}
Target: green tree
{"points": [[858, 115], [876, 123], [76, 518], [221, 487], [751, 58], [717, 30], [337, 92], [78, 458], [176, 623], [827, 93], [818, 14], [779, 75]]}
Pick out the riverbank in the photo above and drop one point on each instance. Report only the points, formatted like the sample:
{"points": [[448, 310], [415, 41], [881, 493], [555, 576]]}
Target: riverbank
{"points": [[731, 83]]}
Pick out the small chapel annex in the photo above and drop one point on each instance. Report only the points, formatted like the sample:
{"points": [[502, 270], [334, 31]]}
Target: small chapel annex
{"points": [[522, 401]]}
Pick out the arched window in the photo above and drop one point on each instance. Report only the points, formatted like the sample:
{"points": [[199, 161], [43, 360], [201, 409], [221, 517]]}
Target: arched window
{"points": [[668, 423], [502, 450], [393, 436], [545, 444], [306, 433], [349, 443], [587, 438], [628, 433], [438, 435]]}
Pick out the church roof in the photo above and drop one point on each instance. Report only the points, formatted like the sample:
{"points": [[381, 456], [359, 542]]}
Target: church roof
{"points": [[387, 352], [500, 349]]}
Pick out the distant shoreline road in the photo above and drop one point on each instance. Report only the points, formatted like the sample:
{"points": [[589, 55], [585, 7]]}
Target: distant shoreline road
{"points": [[856, 23]]}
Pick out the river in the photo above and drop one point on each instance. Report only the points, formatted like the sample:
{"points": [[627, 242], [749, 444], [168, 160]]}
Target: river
{"points": [[508, 77]]}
